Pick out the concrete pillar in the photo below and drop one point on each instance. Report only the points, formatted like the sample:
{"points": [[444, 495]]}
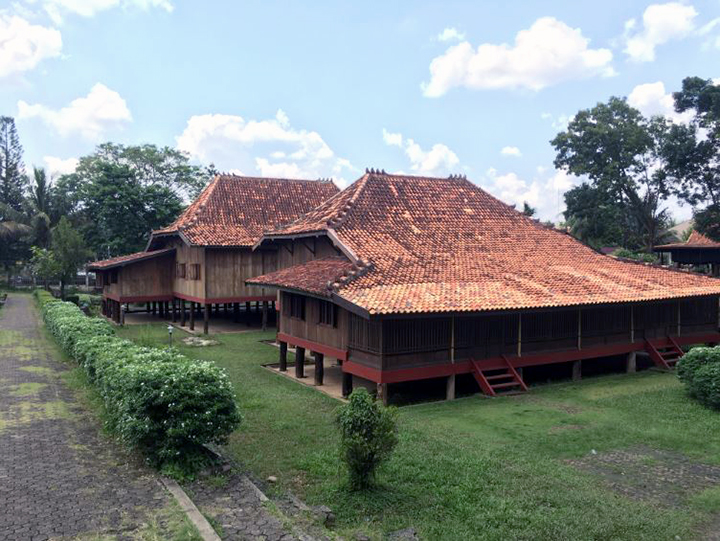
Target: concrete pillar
{"points": [[283, 356], [182, 312], [631, 365], [299, 362], [319, 367], [382, 393], [347, 384], [206, 319], [450, 389], [577, 371], [192, 316], [264, 315]]}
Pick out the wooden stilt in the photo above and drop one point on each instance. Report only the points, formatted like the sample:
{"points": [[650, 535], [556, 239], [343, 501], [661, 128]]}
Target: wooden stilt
{"points": [[382, 393], [236, 312], [283, 356], [121, 314], [182, 312], [319, 367], [154, 307], [631, 365], [206, 319], [264, 315], [174, 310], [577, 371], [299, 362], [347, 384], [450, 388], [247, 313], [192, 316], [147, 307]]}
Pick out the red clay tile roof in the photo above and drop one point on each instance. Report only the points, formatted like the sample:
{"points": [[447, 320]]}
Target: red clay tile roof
{"points": [[695, 240], [234, 210], [127, 259], [443, 244], [311, 277]]}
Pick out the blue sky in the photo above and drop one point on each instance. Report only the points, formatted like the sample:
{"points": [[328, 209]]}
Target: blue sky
{"points": [[326, 89]]}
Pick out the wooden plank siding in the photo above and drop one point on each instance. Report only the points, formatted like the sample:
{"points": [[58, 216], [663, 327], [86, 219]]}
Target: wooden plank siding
{"points": [[228, 268], [310, 328], [137, 282]]}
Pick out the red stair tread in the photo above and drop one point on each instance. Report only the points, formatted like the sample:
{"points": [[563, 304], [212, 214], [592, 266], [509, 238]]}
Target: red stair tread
{"points": [[508, 384]]}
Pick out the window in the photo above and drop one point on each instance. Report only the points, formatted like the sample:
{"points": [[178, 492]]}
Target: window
{"points": [[194, 271], [114, 276], [297, 306], [328, 314], [99, 279], [180, 270]]}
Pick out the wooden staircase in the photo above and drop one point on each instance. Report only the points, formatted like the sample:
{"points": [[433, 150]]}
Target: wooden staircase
{"points": [[499, 381], [667, 356]]}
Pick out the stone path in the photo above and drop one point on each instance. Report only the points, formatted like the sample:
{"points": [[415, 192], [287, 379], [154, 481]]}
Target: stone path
{"points": [[59, 478]]}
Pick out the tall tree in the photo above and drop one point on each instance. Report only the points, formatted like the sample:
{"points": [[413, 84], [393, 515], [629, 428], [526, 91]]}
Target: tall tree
{"points": [[40, 207], [120, 211], [618, 150], [692, 152], [69, 251], [12, 170]]}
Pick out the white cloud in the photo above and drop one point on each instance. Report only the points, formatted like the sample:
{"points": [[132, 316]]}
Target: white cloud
{"points": [[272, 147], [89, 8], [544, 193], [23, 45], [559, 122], [439, 160], [651, 99], [547, 53], [660, 23], [58, 166], [451, 34], [707, 32], [511, 151], [90, 116]]}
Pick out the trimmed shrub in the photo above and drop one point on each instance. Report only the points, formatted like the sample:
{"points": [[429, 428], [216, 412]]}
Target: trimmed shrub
{"points": [[705, 386], [368, 435], [695, 358], [157, 400]]}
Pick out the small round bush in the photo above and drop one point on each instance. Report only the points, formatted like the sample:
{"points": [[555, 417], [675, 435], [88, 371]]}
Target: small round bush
{"points": [[695, 358], [705, 385], [368, 435]]}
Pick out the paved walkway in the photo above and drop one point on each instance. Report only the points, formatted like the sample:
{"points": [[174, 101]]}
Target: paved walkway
{"points": [[59, 478]]}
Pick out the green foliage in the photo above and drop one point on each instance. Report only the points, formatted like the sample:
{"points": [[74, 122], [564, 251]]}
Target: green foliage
{"points": [[44, 264], [12, 170], [528, 210], [699, 369], [368, 434], [69, 251], [692, 152], [620, 152], [638, 256], [156, 400]]}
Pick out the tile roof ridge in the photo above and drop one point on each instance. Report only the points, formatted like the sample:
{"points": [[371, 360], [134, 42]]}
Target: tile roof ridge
{"points": [[658, 266], [359, 269], [336, 221], [319, 180], [202, 201]]}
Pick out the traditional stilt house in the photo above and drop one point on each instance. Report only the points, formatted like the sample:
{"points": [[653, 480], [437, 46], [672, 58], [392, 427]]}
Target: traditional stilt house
{"points": [[698, 250], [202, 260], [406, 278]]}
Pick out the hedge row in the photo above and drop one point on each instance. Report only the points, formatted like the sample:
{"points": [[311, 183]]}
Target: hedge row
{"points": [[699, 369], [157, 400]]}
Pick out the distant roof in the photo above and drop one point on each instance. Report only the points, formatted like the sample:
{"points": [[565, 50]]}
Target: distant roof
{"points": [[234, 210], [127, 259], [680, 229], [695, 241], [422, 244]]}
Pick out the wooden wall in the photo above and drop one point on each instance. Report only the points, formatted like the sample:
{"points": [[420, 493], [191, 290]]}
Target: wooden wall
{"points": [[227, 269], [189, 255], [149, 278], [294, 252], [310, 329]]}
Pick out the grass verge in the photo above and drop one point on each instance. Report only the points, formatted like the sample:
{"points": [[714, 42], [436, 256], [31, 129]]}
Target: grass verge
{"points": [[472, 468]]}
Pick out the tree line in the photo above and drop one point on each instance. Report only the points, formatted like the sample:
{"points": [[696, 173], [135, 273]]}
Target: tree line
{"points": [[105, 208]]}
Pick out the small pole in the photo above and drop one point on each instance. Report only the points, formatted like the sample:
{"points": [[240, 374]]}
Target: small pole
{"points": [[170, 334]]}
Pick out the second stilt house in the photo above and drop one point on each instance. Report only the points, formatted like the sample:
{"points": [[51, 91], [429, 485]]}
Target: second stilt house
{"points": [[204, 258]]}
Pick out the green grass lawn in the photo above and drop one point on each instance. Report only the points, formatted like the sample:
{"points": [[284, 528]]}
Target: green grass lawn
{"points": [[474, 468]]}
